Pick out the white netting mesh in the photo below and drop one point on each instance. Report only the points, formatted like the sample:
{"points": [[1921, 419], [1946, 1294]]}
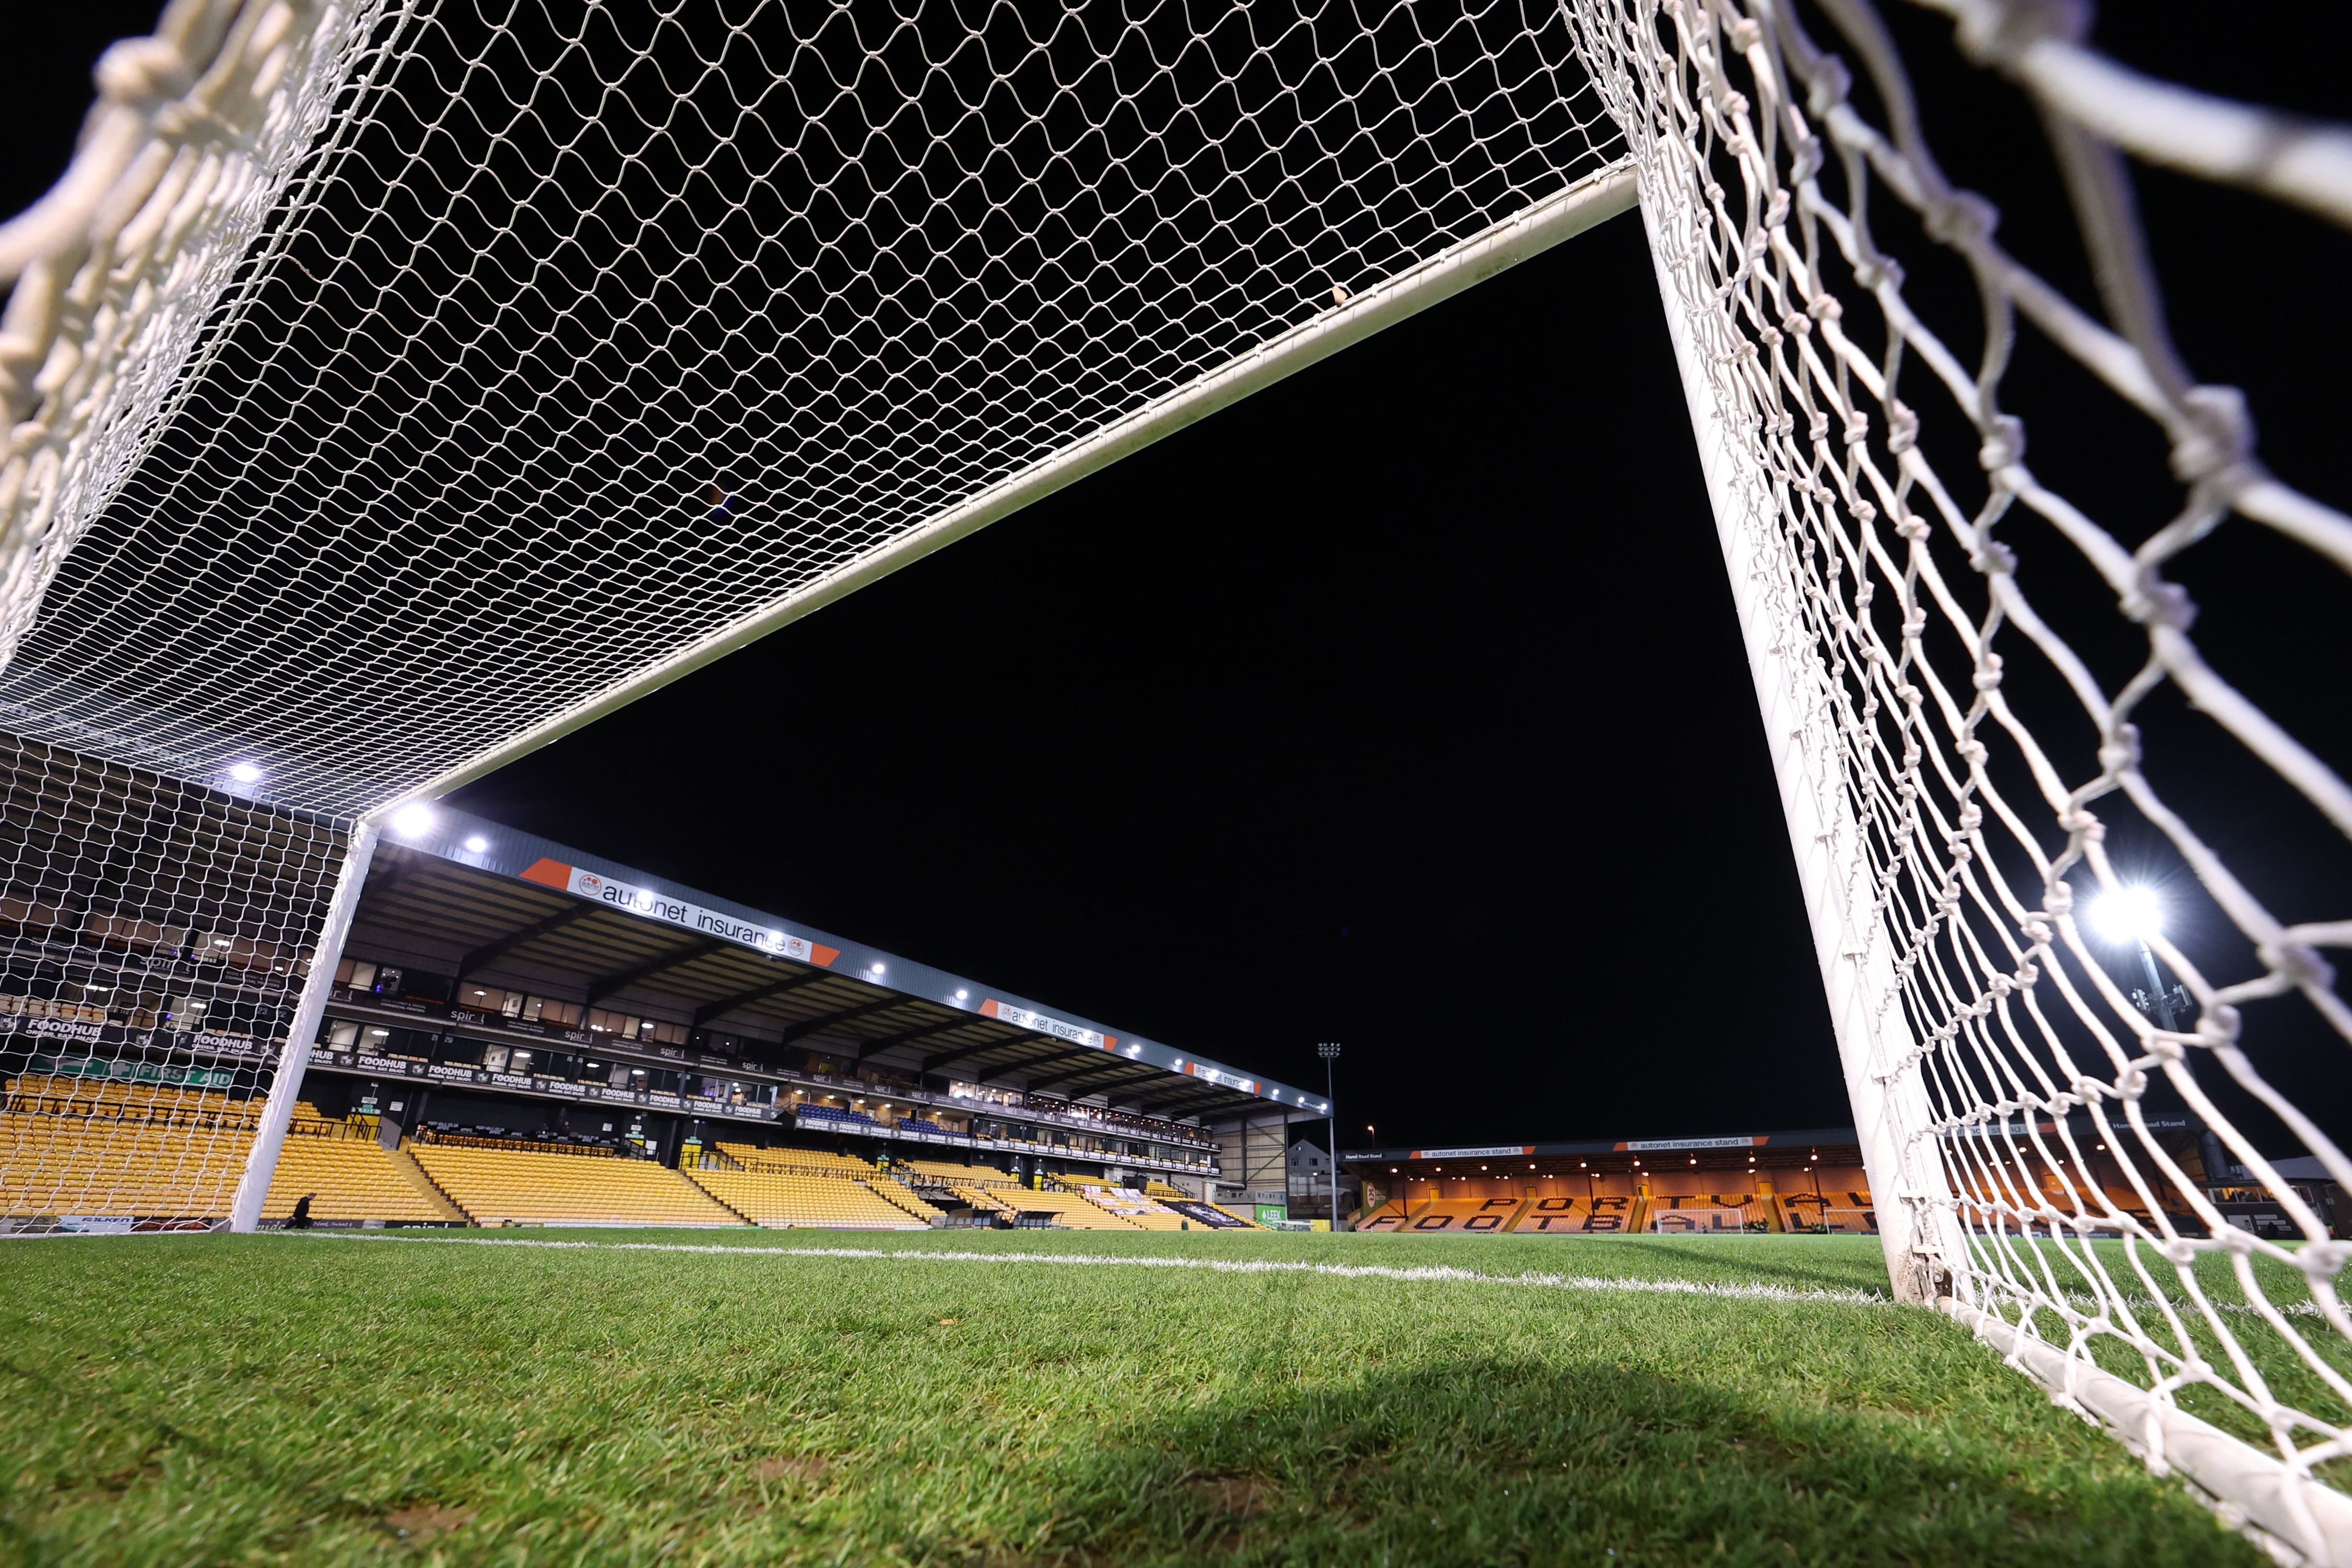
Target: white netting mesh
{"points": [[197, 132], [594, 330], [2047, 1122]]}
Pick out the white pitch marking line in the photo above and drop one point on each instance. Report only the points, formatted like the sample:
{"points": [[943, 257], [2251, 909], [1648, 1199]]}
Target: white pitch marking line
{"points": [[1419, 1274]]}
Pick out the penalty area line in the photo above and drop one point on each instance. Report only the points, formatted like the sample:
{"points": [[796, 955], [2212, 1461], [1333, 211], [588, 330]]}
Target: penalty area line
{"points": [[1414, 1274]]}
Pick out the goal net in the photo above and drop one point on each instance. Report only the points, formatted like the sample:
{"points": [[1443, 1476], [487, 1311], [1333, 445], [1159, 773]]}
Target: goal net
{"points": [[395, 386], [1990, 867]]}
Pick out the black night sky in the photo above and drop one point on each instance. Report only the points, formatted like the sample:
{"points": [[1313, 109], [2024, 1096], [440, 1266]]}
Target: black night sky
{"points": [[1401, 705]]}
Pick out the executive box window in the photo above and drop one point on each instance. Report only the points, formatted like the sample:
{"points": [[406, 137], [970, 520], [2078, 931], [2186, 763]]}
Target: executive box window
{"points": [[389, 980], [358, 974], [507, 1059], [378, 1040], [629, 1026]]}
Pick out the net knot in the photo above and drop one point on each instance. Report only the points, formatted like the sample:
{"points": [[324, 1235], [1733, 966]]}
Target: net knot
{"points": [[1745, 33], [2219, 436], [2004, 442], [2156, 602], [1805, 161], [1902, 426], [2120, 752], [1988, 676], [142, 72], [1875, 269], [2219, 1026], [1824, 308], [1795, 323], [2298, 964], [1993, 559], [1826, 85], [1961, 217], [1857, 429], [1913, 527]]}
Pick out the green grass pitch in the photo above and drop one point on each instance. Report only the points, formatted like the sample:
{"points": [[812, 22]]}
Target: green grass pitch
{"points": [[691, 1397]]}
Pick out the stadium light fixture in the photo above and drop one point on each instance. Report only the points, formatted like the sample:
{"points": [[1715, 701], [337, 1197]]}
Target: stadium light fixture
{"points": [[245, 772], [2130, 915], [475, 843], [962, 995], [412, 820]]}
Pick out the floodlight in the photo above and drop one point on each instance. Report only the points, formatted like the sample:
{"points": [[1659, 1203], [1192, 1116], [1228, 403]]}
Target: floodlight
{"points": [[412, 820], [2130, 914], [245, 772], [477, 844]]}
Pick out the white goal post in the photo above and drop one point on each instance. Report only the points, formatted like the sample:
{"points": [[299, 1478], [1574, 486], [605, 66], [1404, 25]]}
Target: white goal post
{"points": [[345, 299]]}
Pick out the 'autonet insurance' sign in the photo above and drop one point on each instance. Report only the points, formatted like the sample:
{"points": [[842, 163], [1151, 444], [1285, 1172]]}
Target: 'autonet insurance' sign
{"points": [[661, 906]]}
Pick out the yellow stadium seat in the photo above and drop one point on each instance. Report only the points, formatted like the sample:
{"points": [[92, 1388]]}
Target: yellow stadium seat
{"points": [[512, 1187], [842, 1202]]}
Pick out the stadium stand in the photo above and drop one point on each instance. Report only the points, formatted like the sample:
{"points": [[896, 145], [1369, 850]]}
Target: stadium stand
{"points": [[1578, 1216], [41, 1094], [506, 1186], [167, 1153], [1208, 1216], [352, 1178], [1070, 1210], [1835, 1214], [847, 1121], [1471, 1216], [835, 1202], [751, 1157], [987, 1200], [953, 1171], [1136, 1208], [102, 1167]]}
